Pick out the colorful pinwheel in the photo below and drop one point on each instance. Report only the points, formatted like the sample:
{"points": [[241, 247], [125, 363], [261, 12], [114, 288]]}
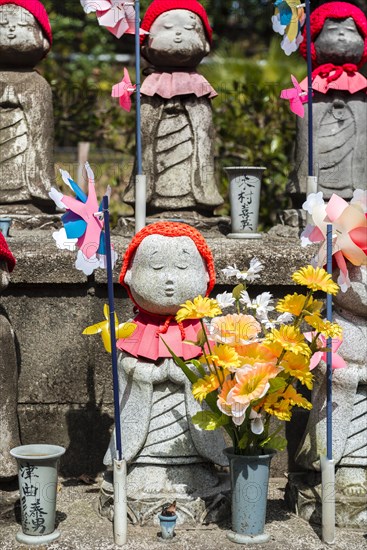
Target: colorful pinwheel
{"points": [[349, 230], [123, 90], [296, 97], [123, 330], [337, 361], [83, 224], [116, 15], [288, 19]]}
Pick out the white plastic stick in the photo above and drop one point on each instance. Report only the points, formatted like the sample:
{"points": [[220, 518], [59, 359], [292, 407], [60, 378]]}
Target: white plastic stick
{"points": [[328, 499], [120, 502], [140, 202], [311, 187]]}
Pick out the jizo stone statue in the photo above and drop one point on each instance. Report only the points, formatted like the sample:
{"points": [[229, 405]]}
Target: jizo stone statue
{"points": [[339, 49], [26, 115], [177, 125], [9, 429], [168, 456]]}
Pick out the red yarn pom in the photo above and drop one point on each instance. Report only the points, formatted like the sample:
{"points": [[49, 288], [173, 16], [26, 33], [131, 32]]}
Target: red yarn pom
{"points": [[5, 253]]}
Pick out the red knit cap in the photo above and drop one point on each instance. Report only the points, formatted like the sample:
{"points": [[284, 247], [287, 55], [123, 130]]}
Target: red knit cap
{"points": [[157, 7], [5, 253], [170, 229], [38, 10], [334, 10]]}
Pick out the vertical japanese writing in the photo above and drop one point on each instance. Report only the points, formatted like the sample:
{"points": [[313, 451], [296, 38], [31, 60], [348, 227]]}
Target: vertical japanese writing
{"points": [[245, 197], [32, 512]]}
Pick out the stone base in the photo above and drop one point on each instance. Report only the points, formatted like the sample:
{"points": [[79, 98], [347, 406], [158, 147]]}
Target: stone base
{"points": [[209, 502], [32, 220], [214, 225], [293, 217], [303, 496]]}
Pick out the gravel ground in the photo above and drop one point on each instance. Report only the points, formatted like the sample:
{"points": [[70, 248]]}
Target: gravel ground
{"points": [[82, 528]]}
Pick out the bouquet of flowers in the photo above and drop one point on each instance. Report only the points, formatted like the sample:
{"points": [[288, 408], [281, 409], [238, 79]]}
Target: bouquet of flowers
{"points": [[253, 359]]}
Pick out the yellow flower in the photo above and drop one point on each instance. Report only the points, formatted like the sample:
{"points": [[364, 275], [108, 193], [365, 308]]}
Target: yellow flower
{"points": [[280, 403], [224, 356], [290, 338], [328, 329], [315, 279], [299, 367], [296, 398], [198, 309], [294, 303], [202, 387], [235, 329], [255, 352]]}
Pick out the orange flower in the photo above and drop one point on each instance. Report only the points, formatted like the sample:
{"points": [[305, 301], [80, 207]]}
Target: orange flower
{"points": [[222, 403], [256, 352], [235, 329]]}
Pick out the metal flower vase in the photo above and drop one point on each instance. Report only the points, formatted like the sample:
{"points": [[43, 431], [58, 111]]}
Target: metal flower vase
{"points": [[249, 485], [244, 198], [37, 474]]}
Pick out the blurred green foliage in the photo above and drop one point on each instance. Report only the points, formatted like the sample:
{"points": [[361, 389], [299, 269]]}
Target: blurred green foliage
{"points": [[248, 70]]}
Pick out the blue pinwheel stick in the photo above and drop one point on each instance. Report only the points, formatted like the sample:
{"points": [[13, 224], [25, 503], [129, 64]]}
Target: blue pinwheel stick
{"points": [[309, 87], [329, 370], [137, 77], [111, 302]]}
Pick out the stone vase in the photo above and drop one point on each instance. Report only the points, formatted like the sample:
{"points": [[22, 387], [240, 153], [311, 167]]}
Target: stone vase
{"points": [[37, 474], [167, 524], [249, 485], [244, 198]]}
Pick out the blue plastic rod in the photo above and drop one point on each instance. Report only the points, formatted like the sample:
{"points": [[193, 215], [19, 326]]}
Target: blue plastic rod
{"points": [[329, 342], [139, 167], [309, 88], [111, 302]]}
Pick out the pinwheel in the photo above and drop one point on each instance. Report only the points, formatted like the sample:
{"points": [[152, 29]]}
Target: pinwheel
{"points": [[296, 97], [123, 330], [287, 20], [337, 360], [116, 15], [83, 224], [349, 230], [123, 91]]}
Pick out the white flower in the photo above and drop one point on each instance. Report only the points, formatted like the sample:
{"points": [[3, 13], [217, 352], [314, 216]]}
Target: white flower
{"points": [[255, 267], [257, 425], [231, 271], [284, 318], [277, 26], [62, 240], [313, 199], [261, 304], [225, 300]]}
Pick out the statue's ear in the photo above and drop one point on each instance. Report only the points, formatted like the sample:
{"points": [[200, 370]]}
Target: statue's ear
{"points": [[127, 278], [207, 47], [45, 44]]}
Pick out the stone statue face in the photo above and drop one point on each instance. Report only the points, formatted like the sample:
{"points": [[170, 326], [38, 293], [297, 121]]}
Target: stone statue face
{"points": [[4, 275], [165, 272], [177, 39], [339, 42], [22, 42], [354, 299]]}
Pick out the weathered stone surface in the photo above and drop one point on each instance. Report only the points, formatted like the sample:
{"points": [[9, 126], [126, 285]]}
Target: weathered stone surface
{"points": [[177, 125], [26, 117]]}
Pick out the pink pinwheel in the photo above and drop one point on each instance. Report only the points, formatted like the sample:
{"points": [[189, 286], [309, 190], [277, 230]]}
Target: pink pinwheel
{"points": [[349, 231], [296, 97], [118, 16], [123, 90], [337, 361]]}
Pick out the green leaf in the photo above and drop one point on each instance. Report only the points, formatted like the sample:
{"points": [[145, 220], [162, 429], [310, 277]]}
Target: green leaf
{"points": [[209, 421], [236, 292], [243, 442], [198, 366], [276, 442], [276, 384]]}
